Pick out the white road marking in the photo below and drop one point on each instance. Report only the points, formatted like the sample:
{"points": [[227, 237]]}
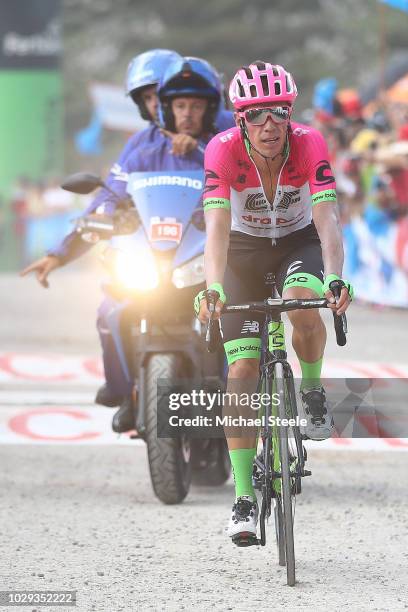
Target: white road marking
{"points": [[48, 399]]}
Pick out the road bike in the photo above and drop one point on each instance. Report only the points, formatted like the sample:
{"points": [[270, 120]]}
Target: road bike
{"points": [[280, 466]]}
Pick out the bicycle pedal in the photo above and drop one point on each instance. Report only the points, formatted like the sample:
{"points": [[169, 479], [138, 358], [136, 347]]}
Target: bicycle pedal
{"points": [[307, 473], [245, 539]]}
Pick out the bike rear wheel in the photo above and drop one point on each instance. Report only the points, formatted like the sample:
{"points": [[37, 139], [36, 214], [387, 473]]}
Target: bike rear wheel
{"points": [[280, 531]]}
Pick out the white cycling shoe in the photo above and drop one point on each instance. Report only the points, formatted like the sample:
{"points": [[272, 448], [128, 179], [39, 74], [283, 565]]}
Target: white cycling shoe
{"points": [[320, 424], [244, 518]]}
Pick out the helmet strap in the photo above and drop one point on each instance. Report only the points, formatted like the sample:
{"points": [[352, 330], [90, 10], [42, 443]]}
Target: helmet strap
{"points": [[137, 99]]}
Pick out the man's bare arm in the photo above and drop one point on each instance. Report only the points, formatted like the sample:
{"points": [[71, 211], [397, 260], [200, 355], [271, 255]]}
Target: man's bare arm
{"points": [[327, 222], [218, 225]]}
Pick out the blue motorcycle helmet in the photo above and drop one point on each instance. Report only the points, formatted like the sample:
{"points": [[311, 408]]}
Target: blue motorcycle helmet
{"points": [[146, 70], [189, 77]]}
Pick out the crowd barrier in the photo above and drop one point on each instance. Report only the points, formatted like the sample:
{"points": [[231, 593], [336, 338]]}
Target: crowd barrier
{"points": [[376, 258]]}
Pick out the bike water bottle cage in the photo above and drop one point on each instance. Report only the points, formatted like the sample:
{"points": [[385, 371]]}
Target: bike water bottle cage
{"points": [[259, 116]]}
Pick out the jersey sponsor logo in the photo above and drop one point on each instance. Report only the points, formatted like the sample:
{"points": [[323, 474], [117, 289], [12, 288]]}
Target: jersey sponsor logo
{"points": [[296, 279], [226, 137], [295, 265], [250, 327], [268, 220], [288, 198], [290, 222], [256, 202], [329, 196], [157, 181], [242, 349], [324, 174], [300, 131], [165, 229], [210, 203], [259, 220], [210, 175], [243, 164]]}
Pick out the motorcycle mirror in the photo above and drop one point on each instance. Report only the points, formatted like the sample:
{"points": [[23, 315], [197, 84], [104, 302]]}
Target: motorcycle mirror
{"points": [[82, 182]]}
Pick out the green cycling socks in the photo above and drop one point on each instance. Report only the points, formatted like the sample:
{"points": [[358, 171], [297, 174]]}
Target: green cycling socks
{"points": [[242, 460], [311, 373]]}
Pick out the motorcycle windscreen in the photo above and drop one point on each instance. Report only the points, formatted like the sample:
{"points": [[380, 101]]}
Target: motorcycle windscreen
{"points": [[165, 202]]}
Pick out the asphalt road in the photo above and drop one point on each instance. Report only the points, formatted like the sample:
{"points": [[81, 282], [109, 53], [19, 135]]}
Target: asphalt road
{"points": [[85, 518]]}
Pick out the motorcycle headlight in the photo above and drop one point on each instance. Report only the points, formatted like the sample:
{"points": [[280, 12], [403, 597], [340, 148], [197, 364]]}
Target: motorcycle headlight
{"points": [[136, 272], [192, 273]]}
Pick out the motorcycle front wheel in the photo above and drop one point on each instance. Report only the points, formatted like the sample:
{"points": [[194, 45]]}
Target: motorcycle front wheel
{"points": [[169, 458]]}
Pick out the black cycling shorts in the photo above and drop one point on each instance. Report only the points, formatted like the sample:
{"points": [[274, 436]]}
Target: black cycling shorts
{"points": [[296, 261]]}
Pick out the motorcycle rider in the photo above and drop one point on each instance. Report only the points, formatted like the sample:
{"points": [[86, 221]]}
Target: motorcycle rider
{"points": [[190, 97], [160, 148]]}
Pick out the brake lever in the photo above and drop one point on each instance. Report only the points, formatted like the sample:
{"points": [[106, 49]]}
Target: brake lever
{"points": [[340, 321], [213, 336]]}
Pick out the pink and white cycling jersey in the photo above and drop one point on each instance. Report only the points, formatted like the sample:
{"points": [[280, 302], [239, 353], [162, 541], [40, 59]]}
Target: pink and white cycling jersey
{"points": [[233, 182]]}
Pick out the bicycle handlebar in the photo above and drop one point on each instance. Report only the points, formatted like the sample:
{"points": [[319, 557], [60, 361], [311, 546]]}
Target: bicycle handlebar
{"points": [[213, 335]]}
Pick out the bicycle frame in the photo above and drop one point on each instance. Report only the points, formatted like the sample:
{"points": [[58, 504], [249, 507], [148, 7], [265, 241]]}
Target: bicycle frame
{"points": [[274, 353]]}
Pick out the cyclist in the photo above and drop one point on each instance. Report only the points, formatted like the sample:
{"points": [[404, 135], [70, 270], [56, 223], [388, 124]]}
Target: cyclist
{"points": [[270, 206]]}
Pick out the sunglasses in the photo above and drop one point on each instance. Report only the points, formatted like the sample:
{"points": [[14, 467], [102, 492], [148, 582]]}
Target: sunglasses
{"points": [[258, 116]]}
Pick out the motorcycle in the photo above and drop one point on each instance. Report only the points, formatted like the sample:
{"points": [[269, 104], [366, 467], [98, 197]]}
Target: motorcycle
{"points": [[156, 266]]}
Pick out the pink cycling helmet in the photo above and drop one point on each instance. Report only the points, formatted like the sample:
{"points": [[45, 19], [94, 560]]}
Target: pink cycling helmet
{"points": [[261, 82]]}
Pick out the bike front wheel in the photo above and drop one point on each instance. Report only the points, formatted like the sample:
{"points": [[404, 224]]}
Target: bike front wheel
{"points": [[286, 480]]}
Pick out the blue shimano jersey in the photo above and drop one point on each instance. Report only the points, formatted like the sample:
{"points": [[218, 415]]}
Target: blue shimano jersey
{"points": [[146, 137], [145, 151]]}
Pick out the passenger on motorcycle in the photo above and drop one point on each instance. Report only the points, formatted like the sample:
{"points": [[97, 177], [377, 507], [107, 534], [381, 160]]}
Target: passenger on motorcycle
{"points": [[190, 97], [143, 74]]}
